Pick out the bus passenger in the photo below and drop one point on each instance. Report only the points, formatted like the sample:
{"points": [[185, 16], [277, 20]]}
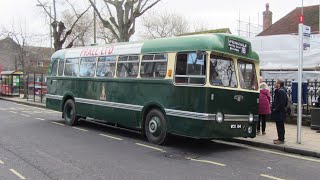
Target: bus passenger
{"points": [[278, 110], [264, 107]]}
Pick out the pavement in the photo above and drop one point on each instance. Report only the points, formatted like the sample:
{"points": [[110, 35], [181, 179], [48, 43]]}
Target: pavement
{"points": [[36, 144], [310, 145]]}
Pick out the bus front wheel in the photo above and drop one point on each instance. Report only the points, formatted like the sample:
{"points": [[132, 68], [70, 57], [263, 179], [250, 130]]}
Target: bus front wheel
{"points": [[155, 127], [69, 112]]}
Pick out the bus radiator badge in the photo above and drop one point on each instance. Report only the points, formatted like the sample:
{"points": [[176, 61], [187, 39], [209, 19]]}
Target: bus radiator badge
{"points": [[239, 98]]}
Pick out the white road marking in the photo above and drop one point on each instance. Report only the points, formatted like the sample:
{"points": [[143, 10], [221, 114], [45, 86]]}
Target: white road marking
{"points": [[2, 109], [40, 119], [13, 112], [206, 161], [17, 174], [1, 162], [270, 177], [80, 129], [112, 137], [150, 147], [25, 115], [58, 123], [270, 151]]}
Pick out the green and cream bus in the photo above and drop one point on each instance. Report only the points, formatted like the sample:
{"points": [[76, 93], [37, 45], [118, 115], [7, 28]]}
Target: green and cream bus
{"points": [[200, 86]]}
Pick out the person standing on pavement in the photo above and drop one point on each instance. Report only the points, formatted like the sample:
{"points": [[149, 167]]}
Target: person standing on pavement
{"points": [[264, 107], [278, 110]]}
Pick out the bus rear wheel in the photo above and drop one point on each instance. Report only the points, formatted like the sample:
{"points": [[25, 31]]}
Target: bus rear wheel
{"points": [[69, 111], [156, 127]]}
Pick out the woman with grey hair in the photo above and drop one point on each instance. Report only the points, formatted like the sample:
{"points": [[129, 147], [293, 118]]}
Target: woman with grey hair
{"points": [[264, 107]]}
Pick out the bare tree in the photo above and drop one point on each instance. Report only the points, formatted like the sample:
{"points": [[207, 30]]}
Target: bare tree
{"points": [[82, 32], [163, 24], [19, 50], [122, 15], [59, 30], [104, 34]]}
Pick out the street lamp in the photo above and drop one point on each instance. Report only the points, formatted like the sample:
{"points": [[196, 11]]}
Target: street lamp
{"points": [[50, 17]]}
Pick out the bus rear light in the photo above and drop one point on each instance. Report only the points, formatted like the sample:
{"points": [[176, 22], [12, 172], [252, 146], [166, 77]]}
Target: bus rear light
{"points": [[169, 72]]}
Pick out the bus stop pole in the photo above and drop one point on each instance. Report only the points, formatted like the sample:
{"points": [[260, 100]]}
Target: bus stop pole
{"points": [[299, 120], [41, 88], [34, 87]]}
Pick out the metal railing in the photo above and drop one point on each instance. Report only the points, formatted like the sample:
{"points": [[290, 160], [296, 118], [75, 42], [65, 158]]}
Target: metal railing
{"points": [[310, 93]]}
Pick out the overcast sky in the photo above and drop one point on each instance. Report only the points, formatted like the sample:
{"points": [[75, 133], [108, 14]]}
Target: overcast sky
{"points": [[213, 13]]}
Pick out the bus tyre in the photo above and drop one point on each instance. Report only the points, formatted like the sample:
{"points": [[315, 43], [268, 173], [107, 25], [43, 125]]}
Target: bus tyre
{"points": [[156, 127], [69, 111]]}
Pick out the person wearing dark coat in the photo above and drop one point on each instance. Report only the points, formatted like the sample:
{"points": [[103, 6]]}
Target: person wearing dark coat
{"points": [[278, 110], [264, 107]]}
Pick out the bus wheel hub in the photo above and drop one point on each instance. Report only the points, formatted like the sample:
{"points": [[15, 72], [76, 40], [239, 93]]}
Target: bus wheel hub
{"points": [[154, 125]]}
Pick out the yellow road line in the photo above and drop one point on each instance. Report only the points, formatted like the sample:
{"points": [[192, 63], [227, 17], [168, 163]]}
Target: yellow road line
{"points": [[112, 137], [270, 177], [40, 119], [79, 129], [17, 174], [13, 112], [150, 147], [58, 123], [270, 151], [1, 162], [206, 161], [25, 115]]}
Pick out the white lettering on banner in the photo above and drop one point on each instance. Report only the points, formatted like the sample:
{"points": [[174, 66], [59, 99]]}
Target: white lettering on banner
{"points": [[116, 49]]}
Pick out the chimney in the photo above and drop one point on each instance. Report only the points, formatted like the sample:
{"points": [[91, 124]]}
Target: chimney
{"points": [[267, 18]]}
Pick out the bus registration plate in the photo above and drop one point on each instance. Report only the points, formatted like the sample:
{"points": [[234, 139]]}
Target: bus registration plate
{"points": [[236, 126]]}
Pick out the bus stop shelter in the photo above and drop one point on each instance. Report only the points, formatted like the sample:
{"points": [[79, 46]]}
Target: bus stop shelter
{"points": [[10, 82]]}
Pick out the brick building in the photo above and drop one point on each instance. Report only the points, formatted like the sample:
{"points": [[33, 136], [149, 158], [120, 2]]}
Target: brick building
{"points": [[289, 23]]}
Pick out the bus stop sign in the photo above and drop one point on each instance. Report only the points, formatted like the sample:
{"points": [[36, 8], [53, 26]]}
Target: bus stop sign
{"points": [[306, 37]]}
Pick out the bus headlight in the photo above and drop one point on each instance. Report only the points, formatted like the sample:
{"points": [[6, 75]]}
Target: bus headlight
{"points": [[219, 117], [250, 129], [251, 118]]}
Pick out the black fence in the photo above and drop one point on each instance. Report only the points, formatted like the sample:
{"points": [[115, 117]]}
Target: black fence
{"points": [[34, 90], [310, 93]]}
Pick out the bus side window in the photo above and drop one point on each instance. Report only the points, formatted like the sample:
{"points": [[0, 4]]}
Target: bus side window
{"points": [[106, 66], [71, 67], [61, 66], [87, 67], [190, 69], [153, 66], [54, 68], [128, 66]]}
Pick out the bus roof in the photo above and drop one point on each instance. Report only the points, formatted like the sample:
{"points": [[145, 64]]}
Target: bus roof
{"points": [[223, 43]]}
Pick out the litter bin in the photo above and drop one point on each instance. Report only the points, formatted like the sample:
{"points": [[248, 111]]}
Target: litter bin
{"points": [[295, 92]]}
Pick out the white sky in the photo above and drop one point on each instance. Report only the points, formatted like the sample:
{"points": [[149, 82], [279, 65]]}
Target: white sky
{"points": [[214, 13]]}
